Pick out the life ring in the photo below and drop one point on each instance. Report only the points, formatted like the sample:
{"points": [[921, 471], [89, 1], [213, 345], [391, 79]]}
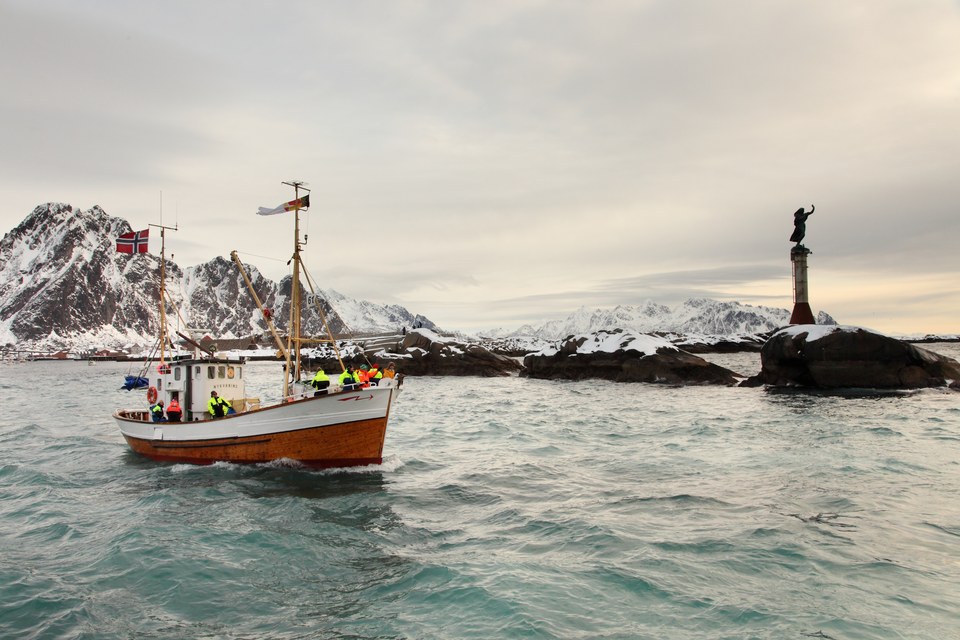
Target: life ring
{"points": [[152, 395]]}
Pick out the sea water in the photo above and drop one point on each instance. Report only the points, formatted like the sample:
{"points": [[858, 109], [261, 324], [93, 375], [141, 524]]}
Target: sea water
{"points": [[504, 508]]}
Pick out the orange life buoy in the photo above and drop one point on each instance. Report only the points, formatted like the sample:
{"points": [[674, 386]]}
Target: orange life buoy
{"points": [[152, 395]]}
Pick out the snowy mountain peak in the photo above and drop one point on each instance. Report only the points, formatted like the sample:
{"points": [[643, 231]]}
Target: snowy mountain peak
{"points": [[696, 316], [64, 285]]}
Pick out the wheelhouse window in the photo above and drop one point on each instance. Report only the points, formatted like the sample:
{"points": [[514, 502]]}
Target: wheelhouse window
{"points": [[211, 372]]}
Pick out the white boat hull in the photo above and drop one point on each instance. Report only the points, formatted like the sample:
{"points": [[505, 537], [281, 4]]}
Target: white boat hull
{"points": [[337, 430]]}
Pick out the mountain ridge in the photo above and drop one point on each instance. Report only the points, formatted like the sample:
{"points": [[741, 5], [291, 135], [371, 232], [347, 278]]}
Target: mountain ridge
{"points": [[63, 285], [695, 316]]}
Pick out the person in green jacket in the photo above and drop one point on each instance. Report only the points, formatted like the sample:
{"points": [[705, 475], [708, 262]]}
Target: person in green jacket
{"points": [[217, 406]]}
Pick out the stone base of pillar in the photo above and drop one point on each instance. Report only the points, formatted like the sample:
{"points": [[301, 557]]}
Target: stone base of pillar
{"points": [[802, 314]]}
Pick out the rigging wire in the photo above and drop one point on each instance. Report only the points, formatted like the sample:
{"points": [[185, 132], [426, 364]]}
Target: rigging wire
{"points": [[246, 253], [346, 327]]}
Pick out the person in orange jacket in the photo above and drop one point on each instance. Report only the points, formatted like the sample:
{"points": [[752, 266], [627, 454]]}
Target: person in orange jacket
{"points": [[174, 414], [376, 375], [363, 376]]}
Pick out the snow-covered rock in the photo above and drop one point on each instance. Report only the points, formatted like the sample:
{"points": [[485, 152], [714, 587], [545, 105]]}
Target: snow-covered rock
{"points": [[623, 356], [420, 352], [849, 357]]}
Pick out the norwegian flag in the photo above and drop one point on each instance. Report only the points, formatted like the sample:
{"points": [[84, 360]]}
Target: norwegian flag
{"points": [[134, 242]]}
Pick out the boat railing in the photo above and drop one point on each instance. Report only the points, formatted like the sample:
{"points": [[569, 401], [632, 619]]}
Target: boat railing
{"points": [[141, 416], [301, 391]]}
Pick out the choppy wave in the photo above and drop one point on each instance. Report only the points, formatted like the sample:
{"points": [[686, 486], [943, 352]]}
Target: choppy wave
{"points": [[503, 508]]}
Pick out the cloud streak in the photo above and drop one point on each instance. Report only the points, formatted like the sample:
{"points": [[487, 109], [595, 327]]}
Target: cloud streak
{"points": [[494, 164]]}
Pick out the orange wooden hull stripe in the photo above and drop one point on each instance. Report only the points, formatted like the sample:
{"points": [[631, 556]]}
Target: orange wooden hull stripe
{"points": [[341, 445]]}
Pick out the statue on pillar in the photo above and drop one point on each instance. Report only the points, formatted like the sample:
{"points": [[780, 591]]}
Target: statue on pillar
{"points": [[800, 224]]}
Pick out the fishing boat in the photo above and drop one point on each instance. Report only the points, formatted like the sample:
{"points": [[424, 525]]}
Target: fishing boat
{"points": [[340, 426]]}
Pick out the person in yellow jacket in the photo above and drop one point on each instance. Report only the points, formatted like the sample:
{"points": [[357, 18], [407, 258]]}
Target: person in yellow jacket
{"points": [[348, 379], [376, 375], [217, 406], [320, 382]]}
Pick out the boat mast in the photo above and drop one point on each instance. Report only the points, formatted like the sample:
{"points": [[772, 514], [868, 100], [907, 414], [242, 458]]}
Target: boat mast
{"points": [[163, 290], [293, 336]]}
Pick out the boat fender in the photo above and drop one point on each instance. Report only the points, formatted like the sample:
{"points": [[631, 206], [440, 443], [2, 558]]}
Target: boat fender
{"points": [[152, 395]]}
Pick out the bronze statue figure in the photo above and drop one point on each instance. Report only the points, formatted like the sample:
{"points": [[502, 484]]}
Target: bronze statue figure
{"points": [[800, 224]]}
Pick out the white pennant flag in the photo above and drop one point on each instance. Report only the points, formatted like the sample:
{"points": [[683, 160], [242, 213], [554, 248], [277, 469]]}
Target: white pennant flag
{"points": [[299, 203]]}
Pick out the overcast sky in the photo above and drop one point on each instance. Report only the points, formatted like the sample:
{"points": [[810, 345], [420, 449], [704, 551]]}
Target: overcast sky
{"points": [[493, 163]]}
